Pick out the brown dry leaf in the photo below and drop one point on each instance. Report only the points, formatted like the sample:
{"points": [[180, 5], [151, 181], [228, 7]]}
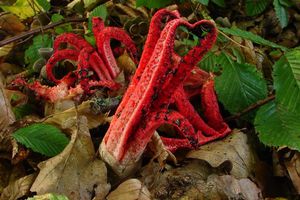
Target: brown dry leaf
{"points": [[233, 148], [58, 106], [75, 172], [6, 115], [233, 188], [5, 170], [9, 69], [6, 118], [293, 168], [11, 23], [249, 52], [197, 180], [160, 152], [66, 117], [18, 188], [131, 189], [126, 63]]}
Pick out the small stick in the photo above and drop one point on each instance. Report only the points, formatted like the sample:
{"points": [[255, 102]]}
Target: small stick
{"points": [[250, 108], [40, 29]]}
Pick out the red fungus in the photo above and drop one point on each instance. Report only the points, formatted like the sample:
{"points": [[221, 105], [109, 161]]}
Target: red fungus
{"points": [[158, 82], [99, 60]]}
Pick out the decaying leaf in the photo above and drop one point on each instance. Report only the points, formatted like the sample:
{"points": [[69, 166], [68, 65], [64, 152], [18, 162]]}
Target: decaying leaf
{"points": [[160, 152], [11, 23], [75, 172], [5, 170], [233, 148], [233, 188], [293, 167], [126, 63], [6, 115], [65, 118], [18, 188], [4, 50], [198, 180], [48, 196], [130, 190]]}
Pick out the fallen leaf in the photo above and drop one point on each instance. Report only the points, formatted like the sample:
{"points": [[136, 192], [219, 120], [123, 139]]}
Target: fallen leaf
{"points": [[6, 115], [4, 50], [160, 152], [5, 170], [22, 8], [233, 188], [66, 117], [75, 172], [198, 180], [126, 63], [48, 196], [18, 188], [234, 148], [130, 190], [293, 167], [11, 23]]}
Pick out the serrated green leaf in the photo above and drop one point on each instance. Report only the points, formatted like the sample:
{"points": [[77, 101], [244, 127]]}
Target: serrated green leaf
{"points": [[62, 28], [255, 7], [287, 81], [99, 11], [153, 3], [44, 4], [204, 2], [42, 138], [22, 8], [252, 37], [31, 53], [220, 3], [209, 63], [240, 85], [281, 13], [278, 127]]}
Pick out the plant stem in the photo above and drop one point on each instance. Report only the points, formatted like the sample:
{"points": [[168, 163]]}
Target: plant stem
{"points": [[250, 108], [40, 29]]}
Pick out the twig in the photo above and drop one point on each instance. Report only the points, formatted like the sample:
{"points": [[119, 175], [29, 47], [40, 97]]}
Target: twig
{"points": [[40, 29], [250, 108]]}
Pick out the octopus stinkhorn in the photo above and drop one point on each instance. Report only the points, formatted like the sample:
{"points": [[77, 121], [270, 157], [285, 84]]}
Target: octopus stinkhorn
{"points": [[100, 61], [164, 78]]}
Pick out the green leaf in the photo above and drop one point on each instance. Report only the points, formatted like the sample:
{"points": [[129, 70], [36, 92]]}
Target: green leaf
{"points": [[255, 7], [23, 110], [287, 81], [62, 28], [100, 11], [31, 53], [252, 37], [286, 3], [281, 13], [209, 63], [49, 196], [153, 3], [42, 138], [278, 127], [240, 85], [21, 8], [220, 3], [204, 2], [44, 4]]}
